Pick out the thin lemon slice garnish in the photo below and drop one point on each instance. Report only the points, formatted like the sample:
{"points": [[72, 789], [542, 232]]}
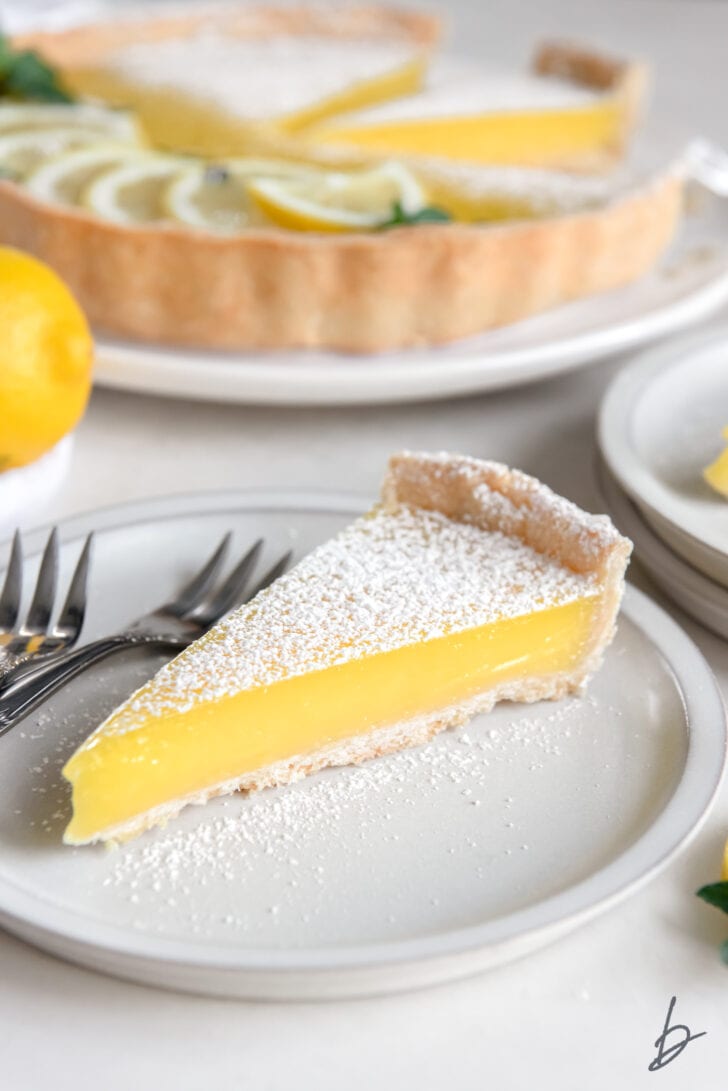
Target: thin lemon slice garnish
{"points": [[62, 180], [132, 193], [215, 197], [112, 124], [337, 200], [716, 474], [22, 152]]}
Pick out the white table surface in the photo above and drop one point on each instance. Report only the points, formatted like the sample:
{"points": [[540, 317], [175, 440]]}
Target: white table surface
{"points": [[583, 1013]]}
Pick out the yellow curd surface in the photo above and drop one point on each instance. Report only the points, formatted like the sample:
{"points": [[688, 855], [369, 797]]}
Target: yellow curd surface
{"points": [[121, 774], [518, 137]]}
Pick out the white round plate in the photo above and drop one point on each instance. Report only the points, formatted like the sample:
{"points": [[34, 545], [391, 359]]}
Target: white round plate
{"points": [[660, 423], [702, 598], [690, 283], [412, 869]]}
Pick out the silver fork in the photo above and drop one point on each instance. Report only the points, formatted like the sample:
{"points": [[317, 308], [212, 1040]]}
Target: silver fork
{"points": [[175, 625], [33, 639]]}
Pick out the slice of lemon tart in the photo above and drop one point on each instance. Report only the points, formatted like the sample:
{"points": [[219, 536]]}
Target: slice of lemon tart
{"points": [[468, 584], [574, 109], [209, 79]]}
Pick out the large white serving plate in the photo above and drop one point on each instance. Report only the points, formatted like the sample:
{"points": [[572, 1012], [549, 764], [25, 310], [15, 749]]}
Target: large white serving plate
{"points": [[660, 423], [690, 283], [412, 869]]}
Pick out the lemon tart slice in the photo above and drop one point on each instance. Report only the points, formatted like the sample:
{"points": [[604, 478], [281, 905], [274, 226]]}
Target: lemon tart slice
{"points": [[574, 110], [470, 583], [209, 80]]}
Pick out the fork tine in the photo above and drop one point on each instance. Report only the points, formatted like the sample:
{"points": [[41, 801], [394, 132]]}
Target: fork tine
{"points": [[193, 594], [41, 607], [232, 589], [272, 574], [72, 614], [13, 586]]}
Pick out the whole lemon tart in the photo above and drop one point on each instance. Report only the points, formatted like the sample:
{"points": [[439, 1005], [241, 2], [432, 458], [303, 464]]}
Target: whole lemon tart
{"points": [[308, 178], [468, 583]]}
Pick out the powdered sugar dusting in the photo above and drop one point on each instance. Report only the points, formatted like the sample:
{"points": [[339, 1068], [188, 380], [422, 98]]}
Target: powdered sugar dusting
{"points": [[542, 191], [495, 497], [404, 573], [388, 580], [456, 88], [258, 79]]}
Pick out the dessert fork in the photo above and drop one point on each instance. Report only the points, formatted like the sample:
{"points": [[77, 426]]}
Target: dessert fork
{"points": [[33, 638], [175, 624]]}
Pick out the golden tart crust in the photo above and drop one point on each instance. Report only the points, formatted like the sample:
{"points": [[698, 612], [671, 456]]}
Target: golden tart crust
{"points": [[277, 289]]}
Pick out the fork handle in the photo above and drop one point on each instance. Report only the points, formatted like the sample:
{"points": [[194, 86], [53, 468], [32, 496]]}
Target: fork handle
{"points": [[26, 696]]}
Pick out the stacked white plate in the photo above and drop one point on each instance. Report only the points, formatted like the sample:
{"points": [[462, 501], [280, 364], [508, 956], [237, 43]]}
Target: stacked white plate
{"points": [[660, 423]]}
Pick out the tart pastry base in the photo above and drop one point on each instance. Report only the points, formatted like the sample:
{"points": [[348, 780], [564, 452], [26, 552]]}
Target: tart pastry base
{"points": [[275, 289]]}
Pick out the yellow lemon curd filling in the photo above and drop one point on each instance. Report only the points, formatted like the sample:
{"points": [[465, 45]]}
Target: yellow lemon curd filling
{"points": [[227, 98], [132, 767], [716, 474], [530, 137]]}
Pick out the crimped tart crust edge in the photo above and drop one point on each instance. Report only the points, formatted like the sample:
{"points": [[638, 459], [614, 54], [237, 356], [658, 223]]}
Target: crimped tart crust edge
{"points": [[277, 289]]}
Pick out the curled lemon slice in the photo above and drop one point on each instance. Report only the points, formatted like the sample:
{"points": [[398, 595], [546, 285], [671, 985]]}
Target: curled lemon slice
{"points": [[716, 474], [339, 201], [132, 192], [22, 152], [113, 124], [214, 197], [63, 179]]}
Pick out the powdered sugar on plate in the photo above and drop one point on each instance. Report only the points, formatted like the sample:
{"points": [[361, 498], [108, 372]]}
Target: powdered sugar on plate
{"points": [[341, 826]]}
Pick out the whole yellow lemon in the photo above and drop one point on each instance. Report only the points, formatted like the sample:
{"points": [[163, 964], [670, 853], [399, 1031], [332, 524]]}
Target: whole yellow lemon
{"points": [[46, 359]]}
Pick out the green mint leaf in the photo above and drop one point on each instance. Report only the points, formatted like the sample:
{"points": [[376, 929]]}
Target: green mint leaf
{"points": [[6, 60], [724, 952], [30, 78], [715, 894], [427, 215]]}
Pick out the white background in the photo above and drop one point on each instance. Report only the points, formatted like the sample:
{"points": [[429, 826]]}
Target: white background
{"points": [[582, 1014]]}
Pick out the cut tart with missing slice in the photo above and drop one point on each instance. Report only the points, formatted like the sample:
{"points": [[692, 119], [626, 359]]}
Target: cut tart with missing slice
{"points": [[468, 584], [294, 235]]}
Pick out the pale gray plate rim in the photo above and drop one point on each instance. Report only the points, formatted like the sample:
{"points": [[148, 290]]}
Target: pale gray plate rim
{"points": [[673, 828], [697, 594], [613, 425]]}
